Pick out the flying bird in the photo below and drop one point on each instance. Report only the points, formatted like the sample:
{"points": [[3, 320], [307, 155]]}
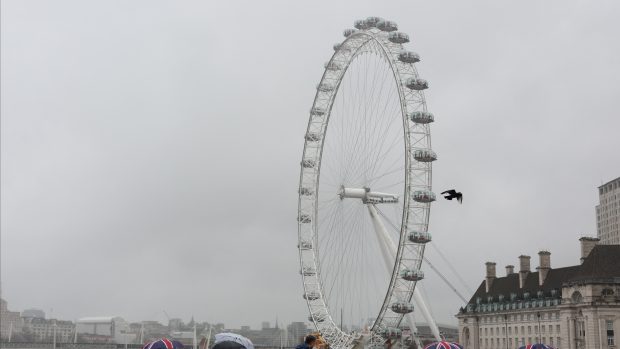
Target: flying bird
{"points": [[451, 194]]}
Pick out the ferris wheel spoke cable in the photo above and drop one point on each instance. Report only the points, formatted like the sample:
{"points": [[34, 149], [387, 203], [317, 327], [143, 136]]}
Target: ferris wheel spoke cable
{"points": [[458, 276]]}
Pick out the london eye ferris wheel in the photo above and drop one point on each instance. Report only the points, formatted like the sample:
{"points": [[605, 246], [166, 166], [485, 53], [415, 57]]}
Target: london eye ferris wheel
{"points": [[365, 188]]}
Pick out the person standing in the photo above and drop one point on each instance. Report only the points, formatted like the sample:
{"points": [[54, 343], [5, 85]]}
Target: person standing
{"points": [[308, 343]]}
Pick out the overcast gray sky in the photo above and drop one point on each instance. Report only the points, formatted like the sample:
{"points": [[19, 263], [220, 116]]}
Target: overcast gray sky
{"points": [[150, 149]]}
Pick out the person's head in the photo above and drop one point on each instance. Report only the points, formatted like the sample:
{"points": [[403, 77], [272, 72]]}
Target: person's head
{"points": [[310, 340]]}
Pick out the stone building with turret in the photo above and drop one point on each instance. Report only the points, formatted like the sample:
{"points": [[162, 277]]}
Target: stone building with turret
{"points": [[576, 307]]}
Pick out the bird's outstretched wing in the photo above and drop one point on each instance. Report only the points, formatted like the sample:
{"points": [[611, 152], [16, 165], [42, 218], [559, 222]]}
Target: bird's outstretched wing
{"points": [[451, 192]]}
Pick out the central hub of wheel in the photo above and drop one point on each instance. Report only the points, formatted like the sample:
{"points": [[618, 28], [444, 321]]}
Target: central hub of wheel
{"points": [[366, 195]]}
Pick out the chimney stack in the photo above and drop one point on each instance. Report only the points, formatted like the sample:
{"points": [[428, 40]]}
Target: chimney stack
{"points": [[490, 275], [510, 269], [544, 266], [524, 265], [587, 244]]}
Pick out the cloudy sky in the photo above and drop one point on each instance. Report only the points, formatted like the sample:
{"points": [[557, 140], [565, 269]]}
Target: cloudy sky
{"points": [[150, 149]]}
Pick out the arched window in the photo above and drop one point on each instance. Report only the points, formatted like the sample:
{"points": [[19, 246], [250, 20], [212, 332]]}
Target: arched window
{"points": [[576, 297]]}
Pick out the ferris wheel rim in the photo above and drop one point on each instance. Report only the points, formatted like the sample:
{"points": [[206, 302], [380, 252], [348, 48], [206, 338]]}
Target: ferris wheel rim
{"points": [[366, 37]]}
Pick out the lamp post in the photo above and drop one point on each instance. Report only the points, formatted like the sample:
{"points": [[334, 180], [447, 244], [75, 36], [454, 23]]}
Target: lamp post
{"points": [[538, 333], [506, 328]]}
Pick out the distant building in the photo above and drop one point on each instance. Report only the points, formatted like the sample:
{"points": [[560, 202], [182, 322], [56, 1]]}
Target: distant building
{"points": [[154, 330], [33, 313], [296, 332], [105, 329], [44, 330], [608, 213], [10, 321], [576, 307], [450, 333], [175, 324]]}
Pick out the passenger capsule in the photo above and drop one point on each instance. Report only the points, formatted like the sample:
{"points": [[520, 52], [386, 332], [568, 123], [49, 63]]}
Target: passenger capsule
{"points": [[408, 57], [317, 318], [423, 196], [412, 275], [305, 191], [305, 245], [424, 155], [308, 271], [420, 237], [398, 37], [402, 307], [392, 333], [348, 32], [361, 24], [373, 21], [304, 218], [337, 46], [422, 117], [311, 296], [308, 163], [332, 66], [317, 111], [313, 137], [387, 26], [325, 87], [416, 84]]}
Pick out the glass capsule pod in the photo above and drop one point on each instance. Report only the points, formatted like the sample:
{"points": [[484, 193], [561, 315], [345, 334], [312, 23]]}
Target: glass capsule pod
{"points": [[387, 26], [304, 218], [398, 37], [311, 296], [308, 271], [408, 57], [416, 84], [313, 137], [419, 237], [317, 317], [306, 191], [424, 155], [332, 66], [373, 21], [305, 245], [360, 24], [317, 111], [422, 117], [402, 307], [308, 163], [325, 87], [337, 46], [423, 196], [348, 32], [392, 333], [412, 274]]}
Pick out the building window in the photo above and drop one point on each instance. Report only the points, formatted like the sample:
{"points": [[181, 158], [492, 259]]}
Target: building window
{"points": [[529, 330], [551, 341], [610, 332], [557, 328]]}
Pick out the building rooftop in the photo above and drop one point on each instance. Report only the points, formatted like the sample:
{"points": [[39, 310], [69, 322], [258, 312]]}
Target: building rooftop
{"points": [[610, 182], [601, 265]]}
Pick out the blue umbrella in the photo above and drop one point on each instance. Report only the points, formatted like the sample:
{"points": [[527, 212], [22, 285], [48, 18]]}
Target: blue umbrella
{"points": [[163, 343], [536, 346], [444, 345]]}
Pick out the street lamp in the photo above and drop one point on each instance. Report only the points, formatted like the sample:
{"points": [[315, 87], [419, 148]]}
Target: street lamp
{"points": [[506, 328], [538, 334]]}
